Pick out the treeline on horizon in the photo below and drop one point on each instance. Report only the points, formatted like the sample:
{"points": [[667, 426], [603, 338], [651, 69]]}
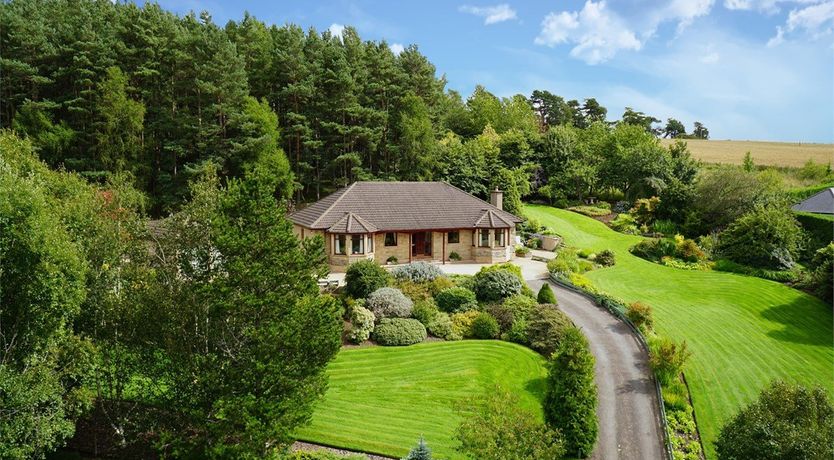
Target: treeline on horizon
{"points": [[105, 89]]}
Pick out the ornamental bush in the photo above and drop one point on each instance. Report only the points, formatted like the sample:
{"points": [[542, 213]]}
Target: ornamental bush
{"points": [[605, 258], [785, 422], [546, 294], [455, 299], [546, 326], [414, 291], [419, 452], [570, 399], [462, 323], [361, 324], [418, 272], [484, 326], [641, 315], [767, 237], [364, 277], [441, 326], [667, 358], [399, 331], [389, 302], [496, 285], [424, 311]]}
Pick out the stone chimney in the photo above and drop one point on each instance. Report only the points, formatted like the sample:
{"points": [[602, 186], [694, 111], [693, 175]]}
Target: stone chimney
{"points": [[496, 198]]}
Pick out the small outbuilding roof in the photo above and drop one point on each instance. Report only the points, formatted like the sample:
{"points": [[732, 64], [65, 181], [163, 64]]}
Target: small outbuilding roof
{"points": [[821, 203], [367, 207]]}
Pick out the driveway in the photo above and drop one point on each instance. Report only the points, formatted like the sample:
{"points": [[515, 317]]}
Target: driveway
{"points": [[628, 410]]}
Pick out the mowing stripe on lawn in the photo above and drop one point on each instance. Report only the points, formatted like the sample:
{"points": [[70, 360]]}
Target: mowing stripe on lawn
{"points": [[382, 399], [743, 331]]}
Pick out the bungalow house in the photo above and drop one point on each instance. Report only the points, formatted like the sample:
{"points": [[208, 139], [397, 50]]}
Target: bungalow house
{"points": [[820, 203], [408, 221]]}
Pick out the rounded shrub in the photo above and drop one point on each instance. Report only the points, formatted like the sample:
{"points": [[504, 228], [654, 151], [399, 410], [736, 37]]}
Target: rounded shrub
{"points": [[605, 258], [546, 326], [494, 286], [389, 302], [364, 277], [441, 326], [455, 299], [399, 331], [424, 311], [641, 315], [361, 324], [462, 323], [546, 294], [484, 326], [418, 272]]}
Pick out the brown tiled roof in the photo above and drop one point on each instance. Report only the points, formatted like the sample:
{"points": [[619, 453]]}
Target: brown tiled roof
{"points": [[389, 206], [352, 223]]}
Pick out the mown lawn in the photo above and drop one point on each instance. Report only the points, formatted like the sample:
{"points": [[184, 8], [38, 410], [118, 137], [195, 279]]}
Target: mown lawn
{"points": [[743, 331], [381, 399]]}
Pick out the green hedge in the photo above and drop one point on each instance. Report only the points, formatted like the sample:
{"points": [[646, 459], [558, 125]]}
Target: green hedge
{"points": [[399, 331], [820, 227], [799, 194]]}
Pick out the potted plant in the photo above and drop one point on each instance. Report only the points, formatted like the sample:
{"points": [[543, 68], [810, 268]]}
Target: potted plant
{"points": [[455, 256], [522, 251]]}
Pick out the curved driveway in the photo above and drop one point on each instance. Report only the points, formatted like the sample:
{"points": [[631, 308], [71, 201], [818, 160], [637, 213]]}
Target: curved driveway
{"points": [[628, 410]]}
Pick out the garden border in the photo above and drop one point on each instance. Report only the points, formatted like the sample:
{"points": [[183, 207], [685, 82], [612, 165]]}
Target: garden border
{"points": [[642, 341]]}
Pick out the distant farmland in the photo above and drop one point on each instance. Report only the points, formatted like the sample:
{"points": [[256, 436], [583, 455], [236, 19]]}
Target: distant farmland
{"points": [[764, 153]]}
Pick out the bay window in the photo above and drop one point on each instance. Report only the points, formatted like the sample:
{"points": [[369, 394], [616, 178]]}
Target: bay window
{"points": [[340, 244], [484, 238], [499, 237], [357, 244]]}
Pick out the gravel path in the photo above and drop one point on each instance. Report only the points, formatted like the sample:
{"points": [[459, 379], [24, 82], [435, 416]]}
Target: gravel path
{"points": [[628, 410]]}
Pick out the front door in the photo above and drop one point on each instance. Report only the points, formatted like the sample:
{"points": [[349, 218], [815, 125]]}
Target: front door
{"points": [[421, 244]]}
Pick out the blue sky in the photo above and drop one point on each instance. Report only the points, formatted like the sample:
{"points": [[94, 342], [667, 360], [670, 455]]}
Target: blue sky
{"points": [[747, 69]]}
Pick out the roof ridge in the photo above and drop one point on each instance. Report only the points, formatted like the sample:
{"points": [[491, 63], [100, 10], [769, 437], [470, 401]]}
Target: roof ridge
{"points": [[475, 197], [335, 202]]}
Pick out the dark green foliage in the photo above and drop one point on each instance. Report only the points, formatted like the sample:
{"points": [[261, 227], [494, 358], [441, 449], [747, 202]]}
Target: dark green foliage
{"points": [[424, 311], [364, 277], [546, 327], [399, 331], [571, 396], [455, 299], [419, 452], [320, 455], [605, 258], [496, 285], [496, 428], [485, 327], [820, 229], [767, 237], [820, 280], [546, 295], [785, 422]]}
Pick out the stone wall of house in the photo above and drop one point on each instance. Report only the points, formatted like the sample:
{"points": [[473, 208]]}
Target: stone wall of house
{"points": [[463, 248], [400, 251]]}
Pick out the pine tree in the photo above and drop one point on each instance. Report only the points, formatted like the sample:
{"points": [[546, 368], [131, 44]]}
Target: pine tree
{"points": [[419, 452], [546, 295]]}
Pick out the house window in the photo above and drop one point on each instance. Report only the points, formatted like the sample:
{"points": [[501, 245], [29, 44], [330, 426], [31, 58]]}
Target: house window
{"points": [[499, 237], [356, 244], [474, 234], [454, 237], [390, 239], [370, 243], [484, 238], [340, 244]]}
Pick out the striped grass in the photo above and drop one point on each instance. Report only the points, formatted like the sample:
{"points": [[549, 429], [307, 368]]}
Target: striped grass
{"points": [[382, 399], [743, 331]]}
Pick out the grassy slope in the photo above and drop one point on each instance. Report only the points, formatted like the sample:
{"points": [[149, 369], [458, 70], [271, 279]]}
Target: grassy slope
{"points": [[743, 331], [381, 399], [792, 154]]}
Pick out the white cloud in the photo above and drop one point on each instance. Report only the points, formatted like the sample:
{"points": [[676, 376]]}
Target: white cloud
{"points": [[397, 48], [595, 31], [491, 14], [598, 33], [815, 20], [765, 6], [336, 29]]}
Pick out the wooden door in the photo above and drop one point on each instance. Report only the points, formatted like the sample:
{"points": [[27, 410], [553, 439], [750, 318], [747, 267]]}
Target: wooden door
{"points": [[418, 243]]}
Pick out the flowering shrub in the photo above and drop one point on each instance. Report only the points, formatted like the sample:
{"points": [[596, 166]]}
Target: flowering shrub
{"points": [[361, 324], [399, 331], [389, 302], [418, 272], [456, 299]]}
